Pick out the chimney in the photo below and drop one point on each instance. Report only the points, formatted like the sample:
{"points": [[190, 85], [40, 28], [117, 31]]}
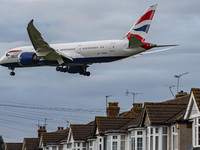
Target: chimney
{"points": [[41, 131], [137, 107], [60, 128], [113, 109], [181, 93]]}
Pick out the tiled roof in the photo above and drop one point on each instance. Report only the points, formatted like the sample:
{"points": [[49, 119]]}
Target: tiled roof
{"points": [[81, 131], [110, 123], [55, 137], [14, 146], [179, 100], [168, 111], [31, 143], [196, 93], [127, 114], [134, 121]]}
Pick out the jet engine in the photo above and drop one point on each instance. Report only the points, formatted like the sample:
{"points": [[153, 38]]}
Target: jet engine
{"points": [[28, 59]]}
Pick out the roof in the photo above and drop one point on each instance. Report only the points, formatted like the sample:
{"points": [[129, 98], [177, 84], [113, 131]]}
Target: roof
{"points": [[196, 93], [14, 146], [110, 123], [81, 131], [54, 137], [179, 100], [31, 143], [167, 112]]}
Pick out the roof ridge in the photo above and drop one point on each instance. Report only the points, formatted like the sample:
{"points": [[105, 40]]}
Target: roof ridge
{"points": [[164, 103]]}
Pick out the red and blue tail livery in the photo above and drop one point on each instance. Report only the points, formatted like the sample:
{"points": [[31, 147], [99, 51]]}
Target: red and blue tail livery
{"points": [[141, 27], [76, 57]]}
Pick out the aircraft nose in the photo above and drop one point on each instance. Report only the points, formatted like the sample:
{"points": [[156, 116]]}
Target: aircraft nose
{"points": [[1, 61]]}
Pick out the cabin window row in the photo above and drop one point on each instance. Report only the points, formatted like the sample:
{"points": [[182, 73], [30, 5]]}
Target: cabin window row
{"points": [[67, 49]]}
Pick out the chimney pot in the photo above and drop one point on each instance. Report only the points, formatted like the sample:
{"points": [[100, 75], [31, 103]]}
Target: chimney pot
{"points": [[60, 128], [41, 131]]}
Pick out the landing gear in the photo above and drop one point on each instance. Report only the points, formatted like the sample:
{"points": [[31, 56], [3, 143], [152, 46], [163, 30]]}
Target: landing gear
{"points": [[73, 69], [86, 73], [12, 73]]}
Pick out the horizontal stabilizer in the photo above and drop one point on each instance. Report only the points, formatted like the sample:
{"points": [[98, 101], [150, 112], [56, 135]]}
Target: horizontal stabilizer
{"points": [[156, 51], [166, 45]]}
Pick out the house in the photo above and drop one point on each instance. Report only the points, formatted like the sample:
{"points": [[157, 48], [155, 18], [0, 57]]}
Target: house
{"points": [[193, 115], [164, 126], [52, 140], [111, 132], [31, 144], [13, 146], [78, 137]]}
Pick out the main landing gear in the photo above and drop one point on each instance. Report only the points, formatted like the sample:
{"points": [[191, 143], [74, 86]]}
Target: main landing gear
{"points": [[12, 73], [73, 69]]}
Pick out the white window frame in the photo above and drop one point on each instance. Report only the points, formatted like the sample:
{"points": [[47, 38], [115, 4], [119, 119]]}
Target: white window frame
{"points": [[135, 135], [174, 131], [196, 132], [91, 145], [115, 138], [154, 137]]}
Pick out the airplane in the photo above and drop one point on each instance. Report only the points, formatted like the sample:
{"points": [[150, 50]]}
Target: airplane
{"points": [[76, 57]]}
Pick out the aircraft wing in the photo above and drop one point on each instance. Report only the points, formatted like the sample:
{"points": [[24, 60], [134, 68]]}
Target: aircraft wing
{"points": [[42, 48]]}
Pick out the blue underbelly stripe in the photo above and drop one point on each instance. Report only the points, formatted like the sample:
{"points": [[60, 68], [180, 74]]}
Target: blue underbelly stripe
{"points": [[76, 60]]}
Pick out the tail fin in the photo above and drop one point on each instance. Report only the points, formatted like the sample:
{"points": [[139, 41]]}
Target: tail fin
{"points": [[141, 27]]}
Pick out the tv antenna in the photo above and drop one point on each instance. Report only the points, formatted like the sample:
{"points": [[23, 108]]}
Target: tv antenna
{"points": [[178, 76], [133, 93], [67, 122], [170, 89], [107, 99]]}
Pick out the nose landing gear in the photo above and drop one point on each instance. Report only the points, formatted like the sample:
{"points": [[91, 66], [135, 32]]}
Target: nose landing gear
{"points": [[12, 73]]}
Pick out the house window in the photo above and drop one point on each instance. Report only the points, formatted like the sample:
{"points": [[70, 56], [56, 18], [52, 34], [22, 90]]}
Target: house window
{"points": [[122, 147], [164, 138], [69, 145], [157, 138], [196, 132], [54, 148], [174, 138], [114, 146], [116, 142], [91, 145], [137, 140], [84, 146], [60, 148]]}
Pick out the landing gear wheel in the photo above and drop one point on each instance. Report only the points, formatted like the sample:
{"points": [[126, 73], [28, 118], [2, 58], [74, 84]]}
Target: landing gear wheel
{"points": [[88, 74], [12, 73], [58, 68]]}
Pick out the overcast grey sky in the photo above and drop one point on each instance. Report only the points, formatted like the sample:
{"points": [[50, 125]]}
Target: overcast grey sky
{"points": [[175, 22]]}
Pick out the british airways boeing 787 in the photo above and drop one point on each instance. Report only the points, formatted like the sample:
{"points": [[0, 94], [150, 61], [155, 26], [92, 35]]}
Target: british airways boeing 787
{"points": [[76, 57]]}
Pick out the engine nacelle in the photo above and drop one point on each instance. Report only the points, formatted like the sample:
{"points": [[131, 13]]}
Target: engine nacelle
{"points": [[28, 59]]}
